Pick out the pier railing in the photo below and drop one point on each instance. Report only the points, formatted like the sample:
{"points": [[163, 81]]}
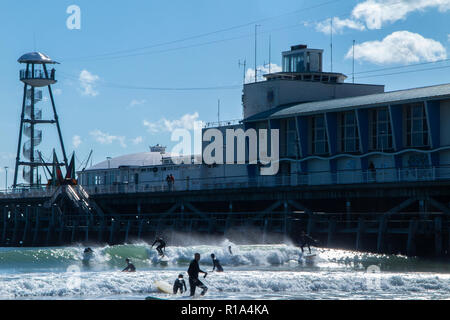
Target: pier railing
{"points": [[299, 179], [385, 175]]}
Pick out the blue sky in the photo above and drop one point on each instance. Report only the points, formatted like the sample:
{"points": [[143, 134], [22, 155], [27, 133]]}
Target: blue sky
{"points": [[107, 67]]}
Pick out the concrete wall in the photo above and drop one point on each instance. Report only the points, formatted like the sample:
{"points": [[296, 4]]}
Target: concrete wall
{"points": [[256, 95]]}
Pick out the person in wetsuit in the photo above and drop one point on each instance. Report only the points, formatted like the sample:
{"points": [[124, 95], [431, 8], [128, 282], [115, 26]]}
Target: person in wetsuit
{"points": [[87, 255], [130, 267], [216, 263], [193, 271], [161, 245], [306, 240], [179, 284]]}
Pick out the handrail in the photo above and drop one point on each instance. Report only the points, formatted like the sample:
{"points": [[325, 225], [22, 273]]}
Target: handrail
{"points": [[380, 175]]}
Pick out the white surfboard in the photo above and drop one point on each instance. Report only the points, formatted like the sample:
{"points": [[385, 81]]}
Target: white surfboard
{"points": [[164, 287]]}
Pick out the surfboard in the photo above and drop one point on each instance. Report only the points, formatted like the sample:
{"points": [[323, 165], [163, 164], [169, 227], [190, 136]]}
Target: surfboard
{"points": [[164, 287], [153, 298], [163, 260]]}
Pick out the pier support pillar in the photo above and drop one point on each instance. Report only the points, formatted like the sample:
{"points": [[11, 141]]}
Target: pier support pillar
{"points": [[127, 231], [36, 227], [5, 223], [111, 231], [311, 224], [27, 222], [51, 223], [382, 223], [359, 234], [438, 236], [331, 231], [141, 224], [411, 244], [16, 226]]}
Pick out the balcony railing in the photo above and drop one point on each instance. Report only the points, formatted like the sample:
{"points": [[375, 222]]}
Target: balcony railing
{"points": [[36, 74], [387, 175]]}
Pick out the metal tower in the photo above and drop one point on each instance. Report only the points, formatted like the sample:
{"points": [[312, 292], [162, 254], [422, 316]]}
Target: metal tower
{"points": [[35, 75]]}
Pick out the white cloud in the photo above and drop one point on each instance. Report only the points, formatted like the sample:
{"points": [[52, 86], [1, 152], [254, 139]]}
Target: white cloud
{"points": [[374, 14], [76, 141], [399, 47], [136, 102], [339, 25], [105, 138], [185, 122], [87, 83], [57, 92], [250, 73], [137, 140]]}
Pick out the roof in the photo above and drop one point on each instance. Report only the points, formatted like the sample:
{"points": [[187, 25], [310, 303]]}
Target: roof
{"points": [[372, 100], [136, 159], [35, 57]]}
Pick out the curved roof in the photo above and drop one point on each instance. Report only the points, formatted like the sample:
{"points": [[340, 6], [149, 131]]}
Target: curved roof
{"points": [[35, 57], [136, 159], [342, 104]]}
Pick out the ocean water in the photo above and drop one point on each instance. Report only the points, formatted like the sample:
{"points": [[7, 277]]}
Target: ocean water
{"points": [[267, 271]]}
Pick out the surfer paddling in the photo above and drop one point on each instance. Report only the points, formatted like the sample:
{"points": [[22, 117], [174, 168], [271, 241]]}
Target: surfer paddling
{"points": [[130, 267], [161, 245], [193, 271]]}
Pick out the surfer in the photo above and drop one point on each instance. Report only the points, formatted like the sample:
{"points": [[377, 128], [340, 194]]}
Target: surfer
{"points": [[193, 271], [229, 249], [216, 263], [179, 284], [306, 240], [87, 255], [130, 267], [161, 245]]}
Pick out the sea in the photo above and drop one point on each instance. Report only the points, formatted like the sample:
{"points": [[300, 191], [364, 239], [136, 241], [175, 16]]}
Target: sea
{"points": [[251, 272]]}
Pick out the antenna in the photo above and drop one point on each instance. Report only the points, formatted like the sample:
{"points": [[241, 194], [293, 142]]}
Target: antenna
{"points": [[270, 52], [353, 69], [244, 64], [256, 31], [218, 112], [331, 44]]}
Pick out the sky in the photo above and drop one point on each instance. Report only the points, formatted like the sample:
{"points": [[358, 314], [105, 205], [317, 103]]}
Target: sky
{"points": [[132, 71]]}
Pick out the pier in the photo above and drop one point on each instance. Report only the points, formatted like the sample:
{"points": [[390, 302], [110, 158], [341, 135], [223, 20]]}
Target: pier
{"points": [[390, 218]]}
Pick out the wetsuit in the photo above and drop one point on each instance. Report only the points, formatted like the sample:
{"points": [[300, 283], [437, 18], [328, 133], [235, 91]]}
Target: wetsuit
{"points": [[130, 268], [162, 245], [216, 264], [306, 240], [193, 271], [179, 284]]}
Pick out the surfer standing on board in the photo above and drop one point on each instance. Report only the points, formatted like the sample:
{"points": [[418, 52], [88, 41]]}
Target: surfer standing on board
{"points": [[306, 240], [161, 245], [193, 271]]}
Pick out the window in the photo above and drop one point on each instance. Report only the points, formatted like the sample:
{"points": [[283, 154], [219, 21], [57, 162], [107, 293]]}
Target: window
{"points": [[416, 126], [349, 132], [291, 138], [381, 130], [319, 135]]}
